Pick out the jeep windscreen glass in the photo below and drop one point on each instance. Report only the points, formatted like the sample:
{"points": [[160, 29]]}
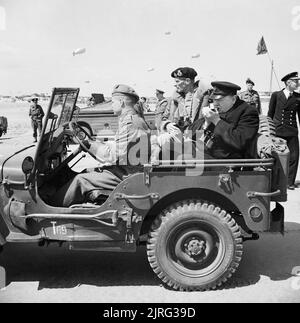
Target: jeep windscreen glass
{"points": [[62, 107]]}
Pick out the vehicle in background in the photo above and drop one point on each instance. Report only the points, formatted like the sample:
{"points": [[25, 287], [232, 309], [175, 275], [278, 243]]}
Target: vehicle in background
{"points": [[99, 120]]}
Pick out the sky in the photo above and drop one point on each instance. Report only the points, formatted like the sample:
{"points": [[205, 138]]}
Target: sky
{"points": [[124, 39]]}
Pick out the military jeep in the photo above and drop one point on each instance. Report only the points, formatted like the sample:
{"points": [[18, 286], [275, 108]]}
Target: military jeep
{"points": [[193, 225]]}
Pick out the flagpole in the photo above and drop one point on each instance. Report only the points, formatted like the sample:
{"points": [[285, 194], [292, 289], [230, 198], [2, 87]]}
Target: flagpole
{"points": [[273, 70], [271, 78]]}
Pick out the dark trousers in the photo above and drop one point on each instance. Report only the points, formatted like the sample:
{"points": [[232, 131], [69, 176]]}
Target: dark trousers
{"points": [[37, 126], [293, 144], [86, 187]]}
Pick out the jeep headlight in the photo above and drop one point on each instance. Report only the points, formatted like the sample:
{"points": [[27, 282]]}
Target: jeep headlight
{"points": [[27, 165]]}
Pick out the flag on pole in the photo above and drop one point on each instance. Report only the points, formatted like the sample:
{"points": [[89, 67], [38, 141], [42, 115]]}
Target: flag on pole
{"points": [[262, 47]]}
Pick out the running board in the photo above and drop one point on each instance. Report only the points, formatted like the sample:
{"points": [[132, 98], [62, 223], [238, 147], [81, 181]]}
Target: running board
{"points": [[99, 217], [18, 237]]}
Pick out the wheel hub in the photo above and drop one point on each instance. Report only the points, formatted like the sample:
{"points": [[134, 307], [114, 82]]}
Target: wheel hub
{"points": [[195, 247]]}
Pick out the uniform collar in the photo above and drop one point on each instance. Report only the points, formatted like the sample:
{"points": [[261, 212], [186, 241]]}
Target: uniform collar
{"points": [[287, 93]]}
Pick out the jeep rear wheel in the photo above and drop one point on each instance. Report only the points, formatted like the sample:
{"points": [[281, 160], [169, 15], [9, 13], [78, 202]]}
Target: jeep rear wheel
{"points": [[194, 246]]}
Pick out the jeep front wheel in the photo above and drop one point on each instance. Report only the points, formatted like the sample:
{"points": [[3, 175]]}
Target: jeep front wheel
{"points": [[194, 246]]}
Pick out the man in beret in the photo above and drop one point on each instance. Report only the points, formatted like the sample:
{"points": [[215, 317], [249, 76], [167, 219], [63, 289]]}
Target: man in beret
{"points": [[186, 102], [251, 96], [161, 107], [230, 125], [93, 186], [36, 114], [283, 109]]}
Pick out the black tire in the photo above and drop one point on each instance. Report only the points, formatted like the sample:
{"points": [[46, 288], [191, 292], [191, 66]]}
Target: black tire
{"points": [[0, 133], [194, 246]]}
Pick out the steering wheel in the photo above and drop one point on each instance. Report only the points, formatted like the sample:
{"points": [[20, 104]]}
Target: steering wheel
{"points": [[72, 126]]}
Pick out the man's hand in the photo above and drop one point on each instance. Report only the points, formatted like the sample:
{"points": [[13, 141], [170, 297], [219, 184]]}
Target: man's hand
{"points": [[172, 129], [86, 144], [211, 115]]}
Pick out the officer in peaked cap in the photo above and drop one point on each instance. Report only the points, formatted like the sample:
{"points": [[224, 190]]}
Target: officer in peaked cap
{"points": [[223, 89], [132, 129], [283, 109], [294, 76], [251, 96], [158, 91], [231, 123]]}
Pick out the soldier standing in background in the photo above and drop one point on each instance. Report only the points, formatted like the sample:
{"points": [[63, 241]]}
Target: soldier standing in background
{"points": [[161, 107], [283, 109], [36, 114], [251, 96]]}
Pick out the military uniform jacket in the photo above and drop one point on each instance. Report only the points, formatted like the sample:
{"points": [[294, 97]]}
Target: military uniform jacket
{"points": [[161, 107], [235, 135], [284, 113], [131, 147], [252, 98], [36, 112], [180, 109]]}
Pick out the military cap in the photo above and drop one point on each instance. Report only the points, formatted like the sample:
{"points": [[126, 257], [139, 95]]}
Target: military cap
{"points": [[249, 81], [126, 90], [222, 89], [291, 76], [160, 91], [185, 72]]}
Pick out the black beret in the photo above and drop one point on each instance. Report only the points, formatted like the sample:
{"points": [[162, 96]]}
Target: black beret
{"points": [[290, 76], [222, 89], [249, 81], [185, 72]]}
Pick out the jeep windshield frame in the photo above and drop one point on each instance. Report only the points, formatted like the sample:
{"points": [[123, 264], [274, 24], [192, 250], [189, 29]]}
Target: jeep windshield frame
{"points": [[60, 112], [62, 104]]}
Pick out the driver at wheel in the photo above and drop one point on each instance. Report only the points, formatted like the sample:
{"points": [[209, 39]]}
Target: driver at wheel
{"points": [[122, 154]]}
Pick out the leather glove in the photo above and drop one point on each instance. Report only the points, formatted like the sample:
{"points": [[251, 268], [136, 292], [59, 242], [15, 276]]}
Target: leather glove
{"points": [[86, 143]]}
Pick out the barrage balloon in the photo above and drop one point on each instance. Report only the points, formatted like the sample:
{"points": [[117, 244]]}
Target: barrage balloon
{"points": [[79, 51]]}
